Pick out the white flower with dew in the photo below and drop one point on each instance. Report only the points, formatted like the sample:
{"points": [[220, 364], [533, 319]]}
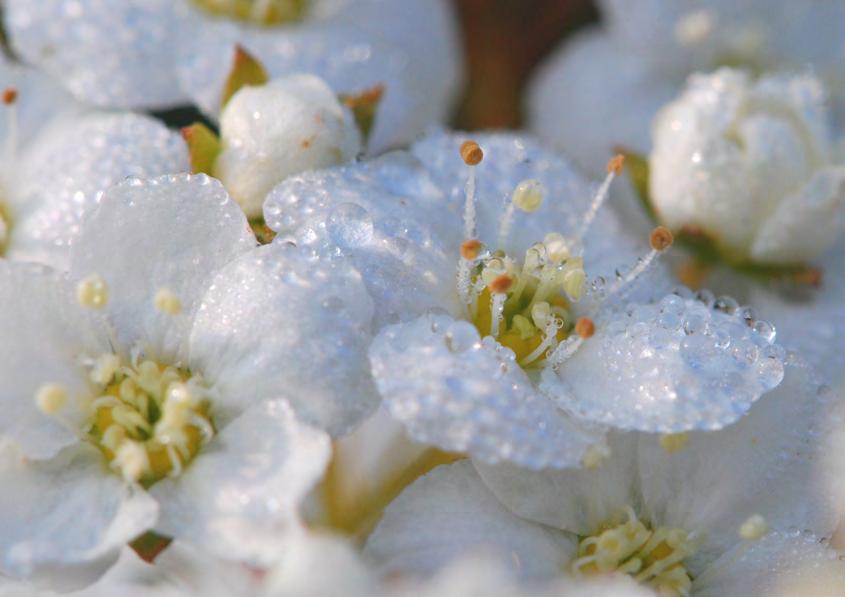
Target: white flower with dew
{"points": [[410, 47], [507, 350], [702, 520], [160, 385]]}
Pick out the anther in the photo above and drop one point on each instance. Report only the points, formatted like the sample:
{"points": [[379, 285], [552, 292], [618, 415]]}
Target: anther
{"points": [[92, 292], [674, 442], [500, 284], [661, 238], [132, 461], [470, 249], [615, 165], [10, 96], [528, 195], [754, 528], [51, 398], [167, 302], [104, 369], [585, 328], [471, 153]]}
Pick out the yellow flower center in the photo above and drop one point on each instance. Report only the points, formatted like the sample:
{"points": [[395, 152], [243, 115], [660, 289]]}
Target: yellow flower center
{"points": [[150, 420], [257, 12], [653, 557]]}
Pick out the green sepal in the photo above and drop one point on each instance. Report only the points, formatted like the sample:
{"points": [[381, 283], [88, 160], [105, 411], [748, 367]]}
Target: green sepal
{"points": [[203, 147], [364, 107], [149, 545], [246, 70]]}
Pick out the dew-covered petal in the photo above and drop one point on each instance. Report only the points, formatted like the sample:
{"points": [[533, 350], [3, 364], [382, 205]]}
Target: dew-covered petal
{"points": [[770, 463], [463, 394], [65, 520], [115, 54], [245, 487], [43, 334], [172, 232], [65, 172], [577, 501], [591, 96], [676, 365], [805, 223], [782, 564], [379, 215], [449, 513], [279, 322]]}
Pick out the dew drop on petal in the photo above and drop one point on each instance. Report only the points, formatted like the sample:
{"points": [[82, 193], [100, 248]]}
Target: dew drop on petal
{"points": [[350, 226]]}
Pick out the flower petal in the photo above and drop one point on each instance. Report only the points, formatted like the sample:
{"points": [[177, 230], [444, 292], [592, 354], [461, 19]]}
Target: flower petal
{"points": [[246, 486], [450, 513], [721, 478], [94, 48], [674, 366], [65, 520], [578, 501], [278, 322], [44, 332], [172, 232], [463, 394], [65, 173]]}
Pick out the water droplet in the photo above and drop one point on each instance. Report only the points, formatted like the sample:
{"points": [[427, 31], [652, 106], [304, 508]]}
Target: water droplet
{"points": [[765, 329], [350, 226]]}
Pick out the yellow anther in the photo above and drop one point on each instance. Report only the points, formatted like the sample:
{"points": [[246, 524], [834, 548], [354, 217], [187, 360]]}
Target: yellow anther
{"points": [[574, 283], [616, 164], [470, 249], [92, 292], [754, 528], [132, 461], [471, 153], [51, 398], [661, 238], [528, 195], [540, 313], [585, 327], [557, 248], [10, 96], [674, 442], [167, 302], [500, 284], [104, 369], [593, 457], [113, 437]]}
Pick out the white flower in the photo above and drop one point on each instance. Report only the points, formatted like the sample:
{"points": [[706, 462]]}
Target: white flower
{"points": [[128, 416], [729, 515], [410, 47], [58, 160], [477, 350], [748, 163], [271, 131], [604, 86]]}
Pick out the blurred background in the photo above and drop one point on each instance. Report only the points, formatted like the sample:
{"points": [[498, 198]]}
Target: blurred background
{"points": [[503, 41]]}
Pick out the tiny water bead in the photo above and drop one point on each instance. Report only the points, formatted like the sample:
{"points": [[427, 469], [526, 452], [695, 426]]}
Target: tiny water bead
{"points": [[257, 12], [652, 556]]}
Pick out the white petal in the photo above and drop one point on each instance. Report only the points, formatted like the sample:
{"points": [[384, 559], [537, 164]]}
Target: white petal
{"points": [[66, 171], [781, 564], [463, 394], [277, 322], [172, 232], [380, 215], [578, 501], [591, 96], [449, 513], [721, 478], [65, 520], [806, 223], [43, 333], [245, 487], [677, 365], [94, 48]]}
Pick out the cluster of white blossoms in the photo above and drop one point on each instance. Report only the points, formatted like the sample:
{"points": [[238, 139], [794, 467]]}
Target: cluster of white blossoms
{"points": [[311, 345]]}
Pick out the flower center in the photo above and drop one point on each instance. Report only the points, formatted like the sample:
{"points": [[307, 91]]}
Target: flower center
{"points": [[150, 420], [653, 557], [257, 12]]}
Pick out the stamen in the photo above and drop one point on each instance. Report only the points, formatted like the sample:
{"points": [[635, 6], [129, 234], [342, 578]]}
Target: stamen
{"points": [[754, 528], [92, 292], [527, 196], [549, 339], [472, 155], [167, 302], [470, 249], [104, 369], [500, 284], [614, 168], [660, 239], [51, 398], [585, 328], [10, 97], [132, 461]]}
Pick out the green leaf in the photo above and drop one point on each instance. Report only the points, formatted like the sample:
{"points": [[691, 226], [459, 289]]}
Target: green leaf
{"points": [[246, 70], [203, 147], [364, 108]]}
